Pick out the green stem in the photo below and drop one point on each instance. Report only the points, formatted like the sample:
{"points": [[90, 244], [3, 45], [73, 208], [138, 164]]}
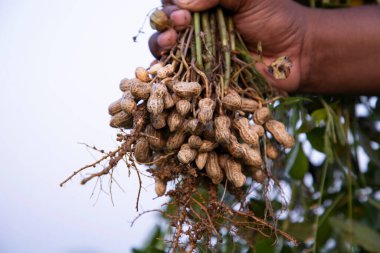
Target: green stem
{"points": [[331, 208], [321, 189], [231, 31], [213, 32], [226, 49], [207, 33], [198, 42]]}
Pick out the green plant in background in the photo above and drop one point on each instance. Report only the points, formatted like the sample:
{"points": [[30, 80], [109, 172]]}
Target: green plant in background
{"points": [[332, 175]]}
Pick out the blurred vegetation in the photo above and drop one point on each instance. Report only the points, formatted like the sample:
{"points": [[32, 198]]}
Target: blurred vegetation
{"points": [[332, 174]]}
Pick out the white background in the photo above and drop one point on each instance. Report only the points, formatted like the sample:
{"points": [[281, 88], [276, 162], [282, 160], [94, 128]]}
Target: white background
{"points": [[60, 65]]}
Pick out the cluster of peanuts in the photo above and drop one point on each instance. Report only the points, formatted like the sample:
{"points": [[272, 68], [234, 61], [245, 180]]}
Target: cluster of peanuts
{"points": [[222, 138]]}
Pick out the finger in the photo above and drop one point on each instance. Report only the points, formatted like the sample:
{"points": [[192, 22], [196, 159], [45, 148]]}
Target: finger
{"points": [[153, 45], [167, 40], [196, 5], [180, 18]]}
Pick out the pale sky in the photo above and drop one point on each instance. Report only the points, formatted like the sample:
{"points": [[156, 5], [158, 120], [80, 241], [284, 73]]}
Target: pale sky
{"points": [[60, 65]]}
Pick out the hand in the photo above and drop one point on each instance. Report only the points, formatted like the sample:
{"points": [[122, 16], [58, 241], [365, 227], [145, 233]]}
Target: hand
{"points": [[280, 25]]}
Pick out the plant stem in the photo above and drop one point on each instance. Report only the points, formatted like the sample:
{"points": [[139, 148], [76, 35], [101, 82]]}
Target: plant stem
{"points": [[321, 189], [208, 46], [226, 49], [198, 42], [231, 31], [213, 32]]}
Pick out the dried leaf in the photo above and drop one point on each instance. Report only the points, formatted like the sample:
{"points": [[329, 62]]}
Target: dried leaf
{"points": [[280, 68]]}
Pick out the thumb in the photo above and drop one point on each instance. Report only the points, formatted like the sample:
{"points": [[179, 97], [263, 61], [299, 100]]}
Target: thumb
{"points": [[196, 5]]}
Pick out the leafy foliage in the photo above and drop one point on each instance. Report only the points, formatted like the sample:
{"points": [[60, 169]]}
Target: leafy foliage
{"points": [[332, 175]]}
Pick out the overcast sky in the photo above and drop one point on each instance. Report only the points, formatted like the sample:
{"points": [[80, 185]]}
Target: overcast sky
{"points": [[60, 65]]}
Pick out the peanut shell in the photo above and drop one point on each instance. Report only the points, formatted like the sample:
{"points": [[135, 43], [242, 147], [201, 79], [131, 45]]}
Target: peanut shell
{"points": [[262, 115], [242, 125], [114, 107], [206, 110], [142, 74], [159, 187], [183, 107], [277, 129], [222, 129], [154, 68], [186, 154], [187, 89], [201, 160], [271, 150], [232, 101], [121, 119], [249, 105], [141, 90], [158, 121], [195, 141], [213, 170], [233, 173], [175, 121], [143, 153]]}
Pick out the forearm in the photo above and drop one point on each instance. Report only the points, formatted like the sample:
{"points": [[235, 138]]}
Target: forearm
{"points": [[342, 51]]}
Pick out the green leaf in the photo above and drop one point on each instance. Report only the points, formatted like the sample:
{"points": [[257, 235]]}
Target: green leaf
{"points": [[298, 163], [360, 234], [301, 231], [319, 116], [315, 137], [294, 100]]}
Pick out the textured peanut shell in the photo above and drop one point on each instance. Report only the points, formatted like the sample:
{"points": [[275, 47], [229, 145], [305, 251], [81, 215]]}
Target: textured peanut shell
{"points": [[262, 115], [233, 173], [159, 187], [183, 107], [126, 84], [159, 20], [222, 129], [154, 68], [206, 110], [165, 71], [200, 160], [142, 74], [271, 150], [207, 146], [175, 141], [159, 121], [128, 104], [168, 101], [143, 153], [192, 126], [252, 156], [186, 154], [213, 170], [187, 89], [258, 129], [175, 120], [141, 90], [232, 101], [121, 119], [249, 105], [235, 148], [242, 125], [114, 107], [278, 131], [195, 141], [155, 137], [155, 104], [258, 174], [159, 89]]}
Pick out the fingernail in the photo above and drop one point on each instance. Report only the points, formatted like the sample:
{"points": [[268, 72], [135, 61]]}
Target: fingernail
{"points": [[182, 3]]}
